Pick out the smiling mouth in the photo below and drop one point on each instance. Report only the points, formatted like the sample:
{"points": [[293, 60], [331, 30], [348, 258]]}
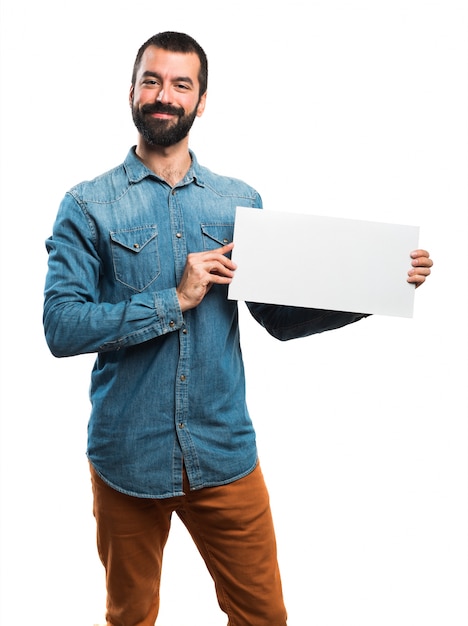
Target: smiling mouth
{"points": [[161, 111]]}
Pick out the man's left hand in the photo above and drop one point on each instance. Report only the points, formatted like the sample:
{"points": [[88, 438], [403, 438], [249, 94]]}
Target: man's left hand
{"points": [[421, 267]]}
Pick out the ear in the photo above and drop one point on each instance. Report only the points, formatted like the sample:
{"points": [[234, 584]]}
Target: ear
{"points": [[130, 96], [201, 105]]}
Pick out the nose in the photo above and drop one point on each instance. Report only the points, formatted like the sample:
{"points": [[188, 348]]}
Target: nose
{"points": [[162, 97]]}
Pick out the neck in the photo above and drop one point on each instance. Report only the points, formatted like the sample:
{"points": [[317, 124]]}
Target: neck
{"points": [[170, 163]]}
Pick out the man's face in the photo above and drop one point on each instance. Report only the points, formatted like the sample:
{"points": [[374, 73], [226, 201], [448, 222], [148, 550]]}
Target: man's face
{"points": [[165, 99]]}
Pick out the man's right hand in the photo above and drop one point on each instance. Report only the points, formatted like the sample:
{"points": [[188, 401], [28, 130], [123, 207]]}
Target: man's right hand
{"points": [[202, 270]]}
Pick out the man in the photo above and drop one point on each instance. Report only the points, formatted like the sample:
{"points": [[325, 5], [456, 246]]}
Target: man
{"points": [[138, 273]]}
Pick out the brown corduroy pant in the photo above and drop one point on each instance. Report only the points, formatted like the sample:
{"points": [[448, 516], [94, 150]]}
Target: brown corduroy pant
{"points": [[232, 528]]}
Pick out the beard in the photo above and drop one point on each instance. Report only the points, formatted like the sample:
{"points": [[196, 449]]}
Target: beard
{"points": [[159, 132]]}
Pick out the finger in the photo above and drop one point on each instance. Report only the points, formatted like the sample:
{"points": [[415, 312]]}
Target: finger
{"points": [[224, 249], [219, 258], [417, 253], [209, 260], [417, 280], [220, 268], [420, 270], [422, 262], [421, 258], [418, 276], [218, 279]]}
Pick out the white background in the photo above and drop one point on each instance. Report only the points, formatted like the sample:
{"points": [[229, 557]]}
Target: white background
{"points": [[355, 108]]}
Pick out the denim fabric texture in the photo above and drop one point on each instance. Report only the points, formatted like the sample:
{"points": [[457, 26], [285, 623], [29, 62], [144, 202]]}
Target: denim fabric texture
{"points": [[167, 388]]}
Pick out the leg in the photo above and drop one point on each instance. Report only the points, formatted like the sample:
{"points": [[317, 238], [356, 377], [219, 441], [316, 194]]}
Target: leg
{"points": [[131, 535], [233, 530]]}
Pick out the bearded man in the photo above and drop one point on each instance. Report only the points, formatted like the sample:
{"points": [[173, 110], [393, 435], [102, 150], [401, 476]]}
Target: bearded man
{"points": [[139, 265]]}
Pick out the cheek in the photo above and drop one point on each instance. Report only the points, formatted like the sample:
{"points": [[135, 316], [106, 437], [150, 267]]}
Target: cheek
{"points": [[141, 97]]}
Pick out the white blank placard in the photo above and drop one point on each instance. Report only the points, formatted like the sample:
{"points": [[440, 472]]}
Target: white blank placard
{"points": [[323, 262]]}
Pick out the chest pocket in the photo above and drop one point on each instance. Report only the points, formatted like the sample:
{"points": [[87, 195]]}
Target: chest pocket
{"points": [[216, 235], [135, 256]]}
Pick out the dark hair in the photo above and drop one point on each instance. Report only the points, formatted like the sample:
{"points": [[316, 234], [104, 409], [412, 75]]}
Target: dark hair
{"points": [[176, 42]]}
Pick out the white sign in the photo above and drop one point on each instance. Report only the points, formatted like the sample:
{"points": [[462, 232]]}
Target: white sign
{"points": [[323, 262]]}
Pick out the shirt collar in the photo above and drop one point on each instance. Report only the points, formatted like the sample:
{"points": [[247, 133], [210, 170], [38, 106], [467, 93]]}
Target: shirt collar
{"points": [[136, 170]]}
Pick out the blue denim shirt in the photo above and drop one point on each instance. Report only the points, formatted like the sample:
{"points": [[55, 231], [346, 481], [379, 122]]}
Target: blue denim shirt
{"points": [[167, 388]]}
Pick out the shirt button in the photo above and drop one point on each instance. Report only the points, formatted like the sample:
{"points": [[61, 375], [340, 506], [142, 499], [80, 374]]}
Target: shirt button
{"points": [[181, 424], [178, 235], [182, 377], [173, 192], [185, 331], [172, 324]]}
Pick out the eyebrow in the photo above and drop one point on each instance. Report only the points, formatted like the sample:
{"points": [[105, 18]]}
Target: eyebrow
{"points": [[178, 79]]}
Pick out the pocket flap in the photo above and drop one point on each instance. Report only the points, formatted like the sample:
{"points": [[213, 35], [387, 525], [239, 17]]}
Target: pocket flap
{"points": [[134, 239], [220, 233]]}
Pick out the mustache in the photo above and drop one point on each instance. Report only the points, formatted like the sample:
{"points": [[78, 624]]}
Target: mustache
{"points": [[159, 107]]}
